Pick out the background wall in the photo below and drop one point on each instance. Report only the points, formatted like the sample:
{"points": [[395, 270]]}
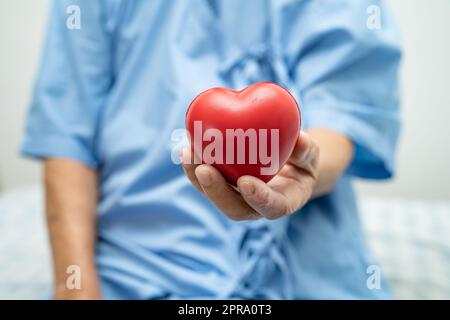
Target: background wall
{"points": [[22, 29], [424, 154]]}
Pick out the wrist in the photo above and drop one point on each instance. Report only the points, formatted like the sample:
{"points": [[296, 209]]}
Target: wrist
{"points": [[76, 283], [91, 291]]}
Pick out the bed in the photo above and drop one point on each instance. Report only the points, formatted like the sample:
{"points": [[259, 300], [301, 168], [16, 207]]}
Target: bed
{"points": [[411, 239]]}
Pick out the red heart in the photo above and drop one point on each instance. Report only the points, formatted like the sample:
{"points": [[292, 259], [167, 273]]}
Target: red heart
{"points": [[261, 112]]}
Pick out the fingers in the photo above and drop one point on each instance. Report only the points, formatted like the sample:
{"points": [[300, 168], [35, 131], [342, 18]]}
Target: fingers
{"points": [[289, 190], [295, 184], [265, 200], [302, 148], [224, 197], [189, 167], [305, 154], [209, 181]]}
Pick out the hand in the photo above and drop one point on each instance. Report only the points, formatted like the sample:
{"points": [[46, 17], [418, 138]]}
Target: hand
{"points": [[287, 192]]}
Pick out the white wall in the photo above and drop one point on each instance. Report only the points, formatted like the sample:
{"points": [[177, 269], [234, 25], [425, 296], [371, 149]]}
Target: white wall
{"points": [[424, 154], [22, 27]]}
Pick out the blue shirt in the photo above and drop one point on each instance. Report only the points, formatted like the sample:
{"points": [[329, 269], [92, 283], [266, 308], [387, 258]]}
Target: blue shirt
{"points": [[112, 93]]}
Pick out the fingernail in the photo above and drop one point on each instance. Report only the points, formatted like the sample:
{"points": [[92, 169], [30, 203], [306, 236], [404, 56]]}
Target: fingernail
{"points": [[203, 177], [247, 188]]}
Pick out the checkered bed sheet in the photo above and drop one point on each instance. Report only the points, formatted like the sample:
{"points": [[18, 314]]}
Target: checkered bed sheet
{"points": [[411, 240]]}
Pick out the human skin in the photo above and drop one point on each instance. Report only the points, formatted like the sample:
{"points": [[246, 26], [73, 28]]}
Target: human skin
{"points": [[319, 158], [71, 200]]}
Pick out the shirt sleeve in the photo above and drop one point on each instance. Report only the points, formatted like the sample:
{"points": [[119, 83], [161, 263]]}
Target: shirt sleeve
{"points": [[72, 84], [345, 69]]}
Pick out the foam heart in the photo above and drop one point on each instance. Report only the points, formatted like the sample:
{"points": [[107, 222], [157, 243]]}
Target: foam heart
{"points": [[247, 132]]}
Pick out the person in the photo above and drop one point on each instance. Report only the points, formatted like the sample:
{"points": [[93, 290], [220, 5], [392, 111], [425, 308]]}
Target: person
{"points": [[108, 97]]}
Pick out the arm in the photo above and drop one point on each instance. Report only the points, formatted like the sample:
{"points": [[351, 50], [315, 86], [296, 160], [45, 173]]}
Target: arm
{"points": [[71, 199], [319, 158], [336, 152], [72, 86], [347, 77]]}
